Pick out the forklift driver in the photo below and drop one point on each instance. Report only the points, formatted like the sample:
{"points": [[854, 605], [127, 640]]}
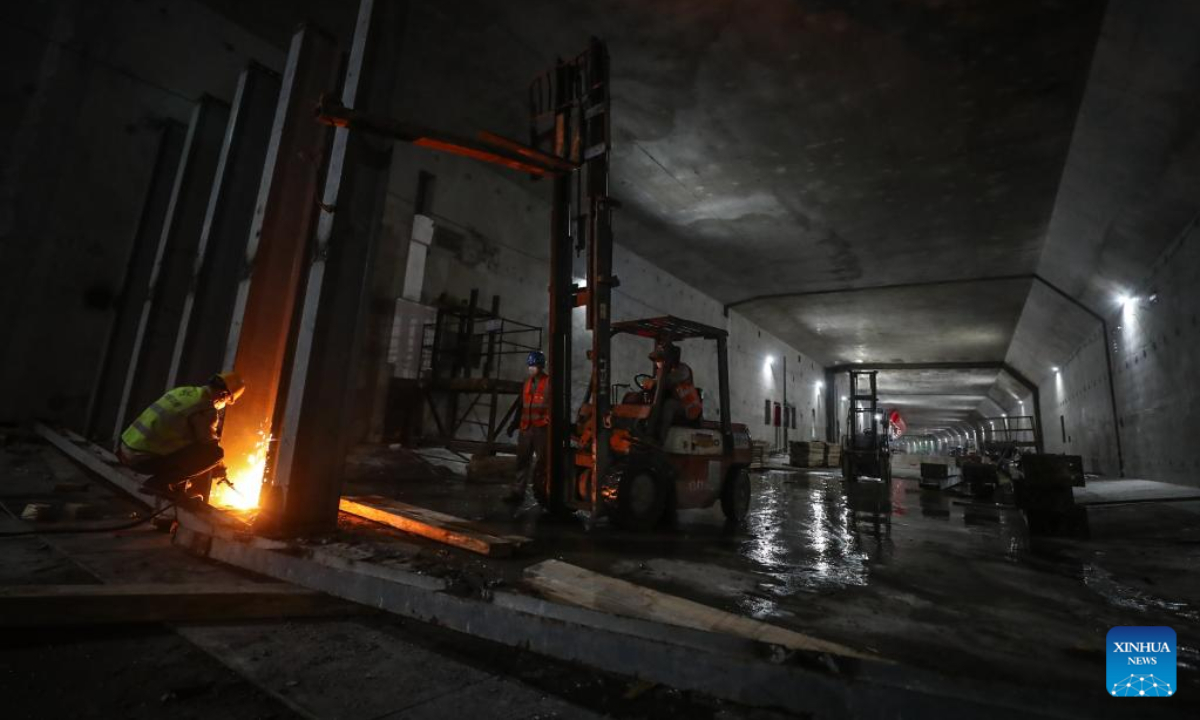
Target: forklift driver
{"points": [[682, 404]]}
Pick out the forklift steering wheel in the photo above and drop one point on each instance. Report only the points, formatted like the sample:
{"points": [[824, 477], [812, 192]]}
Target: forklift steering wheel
{"points": [[637, 380]]}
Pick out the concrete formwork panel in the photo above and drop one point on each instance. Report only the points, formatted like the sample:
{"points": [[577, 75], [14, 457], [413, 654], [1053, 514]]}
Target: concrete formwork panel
{"points": [[279, 239], [218, 266], [332, 329], [170, 277], [109, 385]]}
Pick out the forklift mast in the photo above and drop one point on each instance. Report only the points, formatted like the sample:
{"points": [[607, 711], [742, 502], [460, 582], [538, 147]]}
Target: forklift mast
{"points": [[864, 406], [569, 118]]}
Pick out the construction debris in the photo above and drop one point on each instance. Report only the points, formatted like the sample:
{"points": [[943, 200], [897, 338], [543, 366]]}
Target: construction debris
{"points": [[809, 454], [433, 525]]}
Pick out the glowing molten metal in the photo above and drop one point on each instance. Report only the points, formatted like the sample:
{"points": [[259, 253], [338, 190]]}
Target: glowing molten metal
{"points": [[246, 474]]}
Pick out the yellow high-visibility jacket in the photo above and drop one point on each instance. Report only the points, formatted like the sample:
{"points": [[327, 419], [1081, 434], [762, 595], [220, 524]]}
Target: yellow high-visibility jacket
{"points": [[182, 417]]}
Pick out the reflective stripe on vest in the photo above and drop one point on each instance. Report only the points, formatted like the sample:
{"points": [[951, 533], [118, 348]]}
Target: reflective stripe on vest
{"points": [[535, 408], [164, 427], [689, 396]]}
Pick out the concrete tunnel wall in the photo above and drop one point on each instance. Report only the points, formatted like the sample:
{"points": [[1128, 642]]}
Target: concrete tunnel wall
{"points": [[1124, 225], [88, 86], [1154, 345], [493, 234]]}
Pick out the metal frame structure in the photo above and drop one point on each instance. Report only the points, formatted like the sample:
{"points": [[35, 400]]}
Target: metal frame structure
{"points": [[454, 334], [999, 434], [671, 329]]}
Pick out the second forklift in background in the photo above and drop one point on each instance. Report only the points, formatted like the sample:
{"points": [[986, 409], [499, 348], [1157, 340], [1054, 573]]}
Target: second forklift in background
{"points": [[866, 450]]}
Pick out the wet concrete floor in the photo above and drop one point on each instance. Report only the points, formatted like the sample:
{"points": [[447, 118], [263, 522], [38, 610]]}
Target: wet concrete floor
{"points": [[929, 578]]}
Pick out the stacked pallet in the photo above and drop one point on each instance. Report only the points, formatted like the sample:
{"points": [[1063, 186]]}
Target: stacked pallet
{"points": [[809, 454], [833, 455]]}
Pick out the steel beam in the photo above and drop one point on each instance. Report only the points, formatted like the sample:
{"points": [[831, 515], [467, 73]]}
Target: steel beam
{"points": [[146, 376], [313, 440], [279, 240], [102, 423], [873, 288], [217, 267]]}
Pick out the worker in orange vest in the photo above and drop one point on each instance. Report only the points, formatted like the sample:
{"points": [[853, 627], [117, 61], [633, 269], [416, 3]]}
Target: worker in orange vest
{"points": [[533, 419], [683, 403]]}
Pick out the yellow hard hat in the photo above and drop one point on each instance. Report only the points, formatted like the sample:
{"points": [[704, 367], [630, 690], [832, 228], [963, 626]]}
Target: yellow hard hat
{"points": [[233, 383]]}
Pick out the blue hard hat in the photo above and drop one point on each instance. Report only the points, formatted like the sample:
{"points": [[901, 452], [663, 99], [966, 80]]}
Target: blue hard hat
{"points": [[536, 359]]}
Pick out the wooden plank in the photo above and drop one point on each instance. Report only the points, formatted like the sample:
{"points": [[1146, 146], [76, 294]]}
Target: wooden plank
{"points": [[564, 582], [136, 603], [99, 461], [432, 524]]}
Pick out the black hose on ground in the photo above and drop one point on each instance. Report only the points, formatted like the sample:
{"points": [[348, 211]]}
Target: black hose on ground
{"points": [[79, 531]]}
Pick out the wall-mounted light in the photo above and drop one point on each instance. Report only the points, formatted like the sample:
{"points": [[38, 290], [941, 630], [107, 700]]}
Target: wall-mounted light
{"points": [[844, 398], [1055, 369], [1124, 299]]}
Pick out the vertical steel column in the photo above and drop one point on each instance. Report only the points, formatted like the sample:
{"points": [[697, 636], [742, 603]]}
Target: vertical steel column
{"points": [[158, 325], [105, 400], [200, 344], [279, 240], [333, 321]]}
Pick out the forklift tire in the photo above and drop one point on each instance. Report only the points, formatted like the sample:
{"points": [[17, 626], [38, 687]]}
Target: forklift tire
{"points": [[641, 499], [735, 496]]}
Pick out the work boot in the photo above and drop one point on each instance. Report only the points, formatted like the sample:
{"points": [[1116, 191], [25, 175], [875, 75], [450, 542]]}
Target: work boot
{"points": [[156, 486]]}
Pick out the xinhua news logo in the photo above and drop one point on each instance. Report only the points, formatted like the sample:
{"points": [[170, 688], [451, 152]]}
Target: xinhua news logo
{"points": [[1141, 661]]}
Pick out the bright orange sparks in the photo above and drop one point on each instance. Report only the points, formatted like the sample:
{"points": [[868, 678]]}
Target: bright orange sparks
{"points": [[247, 478]]}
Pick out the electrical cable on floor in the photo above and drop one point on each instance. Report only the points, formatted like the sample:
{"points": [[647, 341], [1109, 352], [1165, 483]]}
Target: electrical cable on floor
{"points": [[79, 531]]}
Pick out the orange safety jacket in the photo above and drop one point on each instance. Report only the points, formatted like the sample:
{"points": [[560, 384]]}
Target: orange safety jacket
{"points": [[535, 403], [685, 390]]}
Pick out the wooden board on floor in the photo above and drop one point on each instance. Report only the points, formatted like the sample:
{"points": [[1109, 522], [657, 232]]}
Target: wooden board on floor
{"points": [[568, 583], [433, 525], [73, 605], [96, 459]]}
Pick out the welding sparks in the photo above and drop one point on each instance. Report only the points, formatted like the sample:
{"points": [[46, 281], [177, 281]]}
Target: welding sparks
{"points": [[246, 477]]}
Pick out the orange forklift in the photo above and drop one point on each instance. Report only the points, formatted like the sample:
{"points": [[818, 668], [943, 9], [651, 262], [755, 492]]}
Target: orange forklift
{"points": [[649, 473], [606, 459]]}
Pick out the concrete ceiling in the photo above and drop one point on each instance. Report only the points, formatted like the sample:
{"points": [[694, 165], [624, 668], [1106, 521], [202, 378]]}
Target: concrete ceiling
{"points": [[786, 147]]}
